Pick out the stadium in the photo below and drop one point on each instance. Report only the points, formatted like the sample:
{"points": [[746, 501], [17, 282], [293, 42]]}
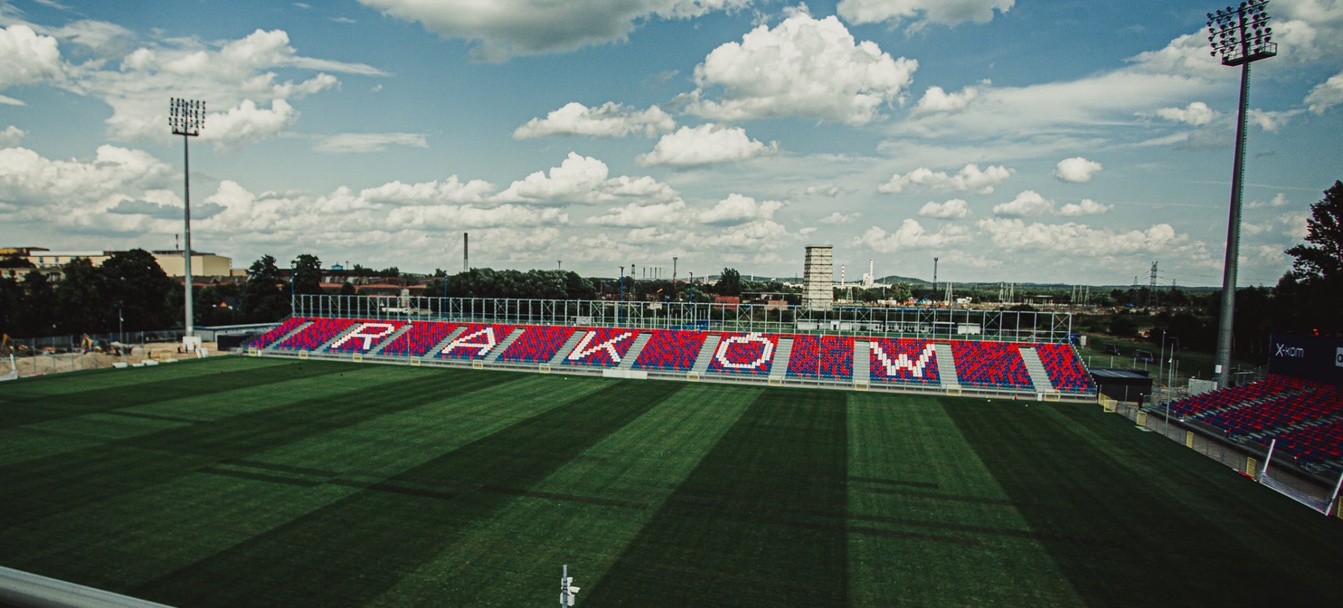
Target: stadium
{"points": [[393, 454]]}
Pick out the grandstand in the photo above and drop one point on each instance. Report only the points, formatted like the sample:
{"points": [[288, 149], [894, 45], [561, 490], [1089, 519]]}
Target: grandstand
{"points": [[867, 353], [1297, 408]]}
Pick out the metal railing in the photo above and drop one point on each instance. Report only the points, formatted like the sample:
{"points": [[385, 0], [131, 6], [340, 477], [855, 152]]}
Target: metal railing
{"points": [[964, 324]]}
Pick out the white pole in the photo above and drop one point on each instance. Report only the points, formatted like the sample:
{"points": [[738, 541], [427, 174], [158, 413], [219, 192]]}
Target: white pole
{"points": [[1333, 499], [1273, 444]]}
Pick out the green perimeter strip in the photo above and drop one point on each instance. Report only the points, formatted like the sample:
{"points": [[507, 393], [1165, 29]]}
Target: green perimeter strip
{"points": [[758, 522], [36, 488], [963, 541], [513, 558], [166, 527], [1120, 540], [32, 405], [353, 550]]}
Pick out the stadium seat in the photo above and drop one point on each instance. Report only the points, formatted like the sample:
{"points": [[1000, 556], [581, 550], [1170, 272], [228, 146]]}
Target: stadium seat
{"points": [[744, 353], [276, 334], [821, 357], [995, 365], [537, 344], [365, 336], [903, 360], [1065, 369], [601, 347], [416, 342], [476, 341], [315, 335], [670, 350]]}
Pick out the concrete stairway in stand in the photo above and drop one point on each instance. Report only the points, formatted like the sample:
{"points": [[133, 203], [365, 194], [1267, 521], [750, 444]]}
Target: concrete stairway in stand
{"points": [[781, 355], [1036, 369], [946, 366]]}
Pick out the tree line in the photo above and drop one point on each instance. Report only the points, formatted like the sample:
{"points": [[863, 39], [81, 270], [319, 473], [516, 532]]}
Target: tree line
{"points": [[130, 292]]}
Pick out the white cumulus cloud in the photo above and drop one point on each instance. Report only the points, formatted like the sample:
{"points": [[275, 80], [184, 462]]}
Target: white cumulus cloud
{"points": [[910, 235], [1085, 207], [635, 215], [607, 120], [936, 100], [502, 29], [1082, 240], [584, 180], [969, 179], [26, 57], [812, 68], [1028, 202], [1076, 169], [450, 190], [953, 209], [1195, 114], [921, 12], [1326, 95], [235, 78], [738, 209], [705, 145], [344, 143], [11, 136]]}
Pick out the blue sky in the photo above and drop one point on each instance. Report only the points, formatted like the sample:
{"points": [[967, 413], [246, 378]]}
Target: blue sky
{"points": [[1015, 140]]}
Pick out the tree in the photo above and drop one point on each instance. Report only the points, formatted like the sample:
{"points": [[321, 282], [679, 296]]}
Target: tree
{"points": [[307, 275], [263, 297], [37, 314], [135, 280], [729, 283], [82, 300], [1318, 267], [11, 298]]}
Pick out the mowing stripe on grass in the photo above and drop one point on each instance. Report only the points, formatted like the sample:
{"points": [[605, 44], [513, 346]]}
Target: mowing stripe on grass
{"points": [[354, 549], [35, 403], [165, 527], [510, 559], [1065, 486], [742, 528], [36, 488], [963, 542]]}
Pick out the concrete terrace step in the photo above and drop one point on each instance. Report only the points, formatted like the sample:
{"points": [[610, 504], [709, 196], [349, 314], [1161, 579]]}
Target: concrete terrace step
{"points": [[705, 356], [301, 326], [946, 365], [632, 354], [568, 347], [377, 350], [784, 352], [442, 344], [862, 362], [1035, 368], [503, 346]]}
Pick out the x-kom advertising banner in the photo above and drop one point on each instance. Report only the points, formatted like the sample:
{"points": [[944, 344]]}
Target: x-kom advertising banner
{"points": [[1308, 357]]}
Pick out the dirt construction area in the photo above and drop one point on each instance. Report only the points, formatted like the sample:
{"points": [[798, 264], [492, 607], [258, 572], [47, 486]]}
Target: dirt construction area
{"points": [[153, 353]]}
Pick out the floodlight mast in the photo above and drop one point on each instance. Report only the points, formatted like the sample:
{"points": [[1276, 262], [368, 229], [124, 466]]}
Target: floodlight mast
{"points": [[187, 118], [1241, 36]]}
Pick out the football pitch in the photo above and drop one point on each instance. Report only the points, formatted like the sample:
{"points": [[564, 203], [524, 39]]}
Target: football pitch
{"points": [[276, 482]]}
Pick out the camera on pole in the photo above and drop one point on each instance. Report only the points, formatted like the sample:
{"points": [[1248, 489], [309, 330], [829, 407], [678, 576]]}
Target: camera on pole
{"points": [[567, 588]]}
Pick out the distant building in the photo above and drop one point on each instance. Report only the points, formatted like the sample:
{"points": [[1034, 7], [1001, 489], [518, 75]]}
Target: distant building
{"points": [[818, 278], [203, 264]]}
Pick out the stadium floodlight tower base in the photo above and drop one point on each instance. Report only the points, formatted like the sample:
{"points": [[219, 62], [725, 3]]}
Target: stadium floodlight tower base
{"points": [[1326, 506]]}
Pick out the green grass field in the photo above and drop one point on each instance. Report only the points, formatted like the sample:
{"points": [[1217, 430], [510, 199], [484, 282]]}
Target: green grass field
{"points": [[274, 482]]}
